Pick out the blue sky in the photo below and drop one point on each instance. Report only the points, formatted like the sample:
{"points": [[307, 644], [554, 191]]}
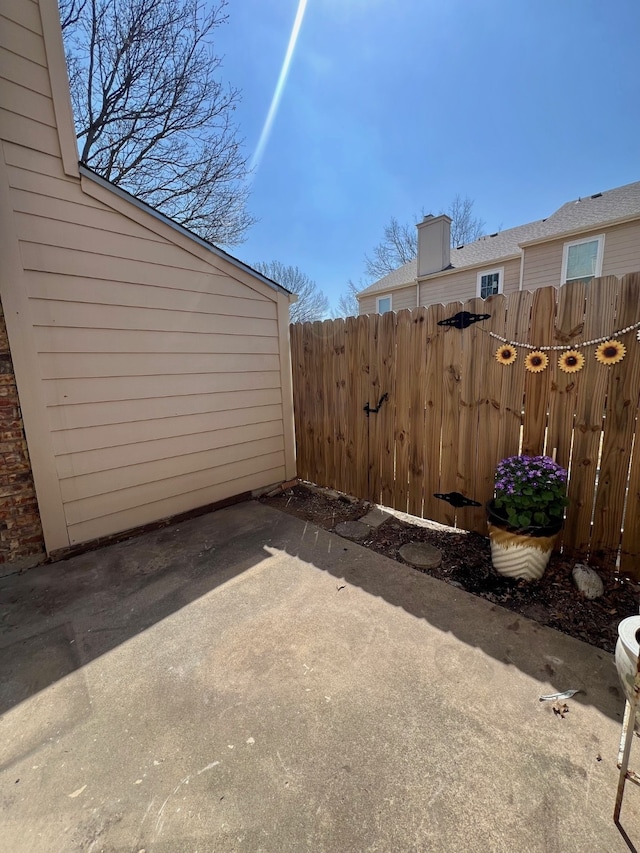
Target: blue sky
{"points": [[391, 108]]}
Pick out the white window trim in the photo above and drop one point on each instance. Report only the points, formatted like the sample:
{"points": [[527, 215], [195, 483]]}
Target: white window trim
{"points": [[388, 296], [599, 256], [499, 270]]}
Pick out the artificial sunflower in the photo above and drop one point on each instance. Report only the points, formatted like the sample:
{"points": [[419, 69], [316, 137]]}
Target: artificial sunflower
{"points": [[506, 354], [536, 361], [571, 361], [611, 352]]}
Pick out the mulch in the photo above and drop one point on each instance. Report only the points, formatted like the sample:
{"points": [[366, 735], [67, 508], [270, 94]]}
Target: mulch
{"points": [[466, 563]]}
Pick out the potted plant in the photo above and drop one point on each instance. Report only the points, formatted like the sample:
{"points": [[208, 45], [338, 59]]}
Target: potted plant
{"points": [[526, 514]]}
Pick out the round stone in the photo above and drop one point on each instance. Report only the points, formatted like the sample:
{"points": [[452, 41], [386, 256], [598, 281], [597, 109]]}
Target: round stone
{"points": [[355, 530], [421, 555]]}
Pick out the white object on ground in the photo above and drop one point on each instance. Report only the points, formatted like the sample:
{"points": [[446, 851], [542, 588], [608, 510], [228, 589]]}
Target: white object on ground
{"points": [[587, 580]]}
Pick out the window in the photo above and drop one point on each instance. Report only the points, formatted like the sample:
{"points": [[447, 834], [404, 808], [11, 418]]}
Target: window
{"points": [[383, 304], [490, 282], [582, 259]]}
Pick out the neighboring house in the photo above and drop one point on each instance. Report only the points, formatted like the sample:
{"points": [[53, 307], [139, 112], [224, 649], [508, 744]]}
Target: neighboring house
{"points": [[593, 236], [152, 369]]}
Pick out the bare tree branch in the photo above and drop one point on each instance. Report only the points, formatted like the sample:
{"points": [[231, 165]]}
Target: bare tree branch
{"points": [[465, 227], [312, 303], [70, 11], [348, 305], [151, 115], [399, 244]]}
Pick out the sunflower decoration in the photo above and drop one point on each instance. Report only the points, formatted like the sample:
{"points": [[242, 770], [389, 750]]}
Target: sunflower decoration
{"points": [[506, 354], [571, 361], [536, 361], [611, 352]]}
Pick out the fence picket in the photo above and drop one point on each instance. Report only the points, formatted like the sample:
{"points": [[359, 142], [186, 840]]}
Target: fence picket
{"points": [[622, 397], [564, 386], [387, 376], [374, 396], [364, 396], [339, 410], [470, 517], [489, 412], [353, 410], [630, 552], [451, 372], [298, 371], [590, 400], [403, 403], [512, 403], [537, 385], [433, 508], [417, 409]]}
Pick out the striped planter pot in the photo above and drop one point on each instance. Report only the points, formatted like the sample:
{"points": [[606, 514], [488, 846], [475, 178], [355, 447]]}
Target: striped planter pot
{"points": [[517, 554]]}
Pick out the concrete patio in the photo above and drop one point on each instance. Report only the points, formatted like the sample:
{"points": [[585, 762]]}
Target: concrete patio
{"points": [[247, 682]]}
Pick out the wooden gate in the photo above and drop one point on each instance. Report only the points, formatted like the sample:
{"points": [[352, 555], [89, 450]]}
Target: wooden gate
{"points": [[404, 411]]}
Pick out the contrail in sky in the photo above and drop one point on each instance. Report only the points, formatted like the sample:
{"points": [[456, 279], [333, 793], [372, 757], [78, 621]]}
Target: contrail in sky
{"points": [[282, 79]]}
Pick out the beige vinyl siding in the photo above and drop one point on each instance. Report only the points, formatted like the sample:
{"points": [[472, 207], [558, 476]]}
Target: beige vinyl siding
{"points": [[404, 297], [158, 365], [463, 284], [543, 262], [621, 249], [368, 304]]}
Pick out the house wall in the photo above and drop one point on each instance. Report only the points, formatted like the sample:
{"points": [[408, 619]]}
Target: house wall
{"points": [[463, 285], [156, 373], [404, 297], [543, 263]]}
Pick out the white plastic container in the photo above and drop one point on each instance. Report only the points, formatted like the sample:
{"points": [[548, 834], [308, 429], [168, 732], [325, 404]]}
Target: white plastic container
{"points": [[627, 651]]}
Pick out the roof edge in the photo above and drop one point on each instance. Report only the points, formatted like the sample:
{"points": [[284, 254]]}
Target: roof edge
{"points": [[88, 173], [411, 283], [584, 230], [490, 264]]}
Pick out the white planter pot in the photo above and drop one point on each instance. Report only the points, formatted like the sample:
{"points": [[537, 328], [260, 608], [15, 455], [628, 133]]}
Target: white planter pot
{"points": [[627, 650], [515, 555]]}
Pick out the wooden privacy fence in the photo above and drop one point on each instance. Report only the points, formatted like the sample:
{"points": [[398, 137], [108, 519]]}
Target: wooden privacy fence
{"points": [[442, 411]]}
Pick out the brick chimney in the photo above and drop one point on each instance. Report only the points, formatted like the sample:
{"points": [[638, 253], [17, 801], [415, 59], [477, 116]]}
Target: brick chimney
{"points": [[434, 244]]}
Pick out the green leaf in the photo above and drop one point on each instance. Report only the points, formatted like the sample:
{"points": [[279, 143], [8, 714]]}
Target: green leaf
{"points": [[540, 518], [524, 520]]}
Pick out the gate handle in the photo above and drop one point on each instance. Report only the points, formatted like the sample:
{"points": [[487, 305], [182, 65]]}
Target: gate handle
{"points": [[368, 409]]}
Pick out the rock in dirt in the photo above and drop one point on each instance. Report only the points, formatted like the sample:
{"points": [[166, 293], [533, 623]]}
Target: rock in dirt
{"points": [[375, 517], [421, 554], [354, 530], [587, 580]]}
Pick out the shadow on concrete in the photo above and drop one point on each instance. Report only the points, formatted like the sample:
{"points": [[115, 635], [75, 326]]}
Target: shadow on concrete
{"points": [[57, 618]]}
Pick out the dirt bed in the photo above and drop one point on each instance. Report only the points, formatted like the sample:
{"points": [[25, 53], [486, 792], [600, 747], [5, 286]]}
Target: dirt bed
{"points": [[466, 563]]}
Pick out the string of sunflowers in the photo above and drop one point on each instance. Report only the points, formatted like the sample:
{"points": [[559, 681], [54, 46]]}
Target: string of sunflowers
{"points": [[609, 350]]}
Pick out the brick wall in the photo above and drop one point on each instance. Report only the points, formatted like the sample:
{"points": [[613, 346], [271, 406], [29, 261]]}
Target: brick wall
{"points": [[21, 540]]}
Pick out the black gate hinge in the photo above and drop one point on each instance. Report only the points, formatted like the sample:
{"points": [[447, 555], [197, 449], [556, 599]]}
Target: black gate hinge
{"points": [[368, 409], [456, 499], [463, 319]]}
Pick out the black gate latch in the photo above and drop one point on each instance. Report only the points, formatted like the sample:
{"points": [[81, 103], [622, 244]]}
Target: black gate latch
{"points": [[368, 409]]}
